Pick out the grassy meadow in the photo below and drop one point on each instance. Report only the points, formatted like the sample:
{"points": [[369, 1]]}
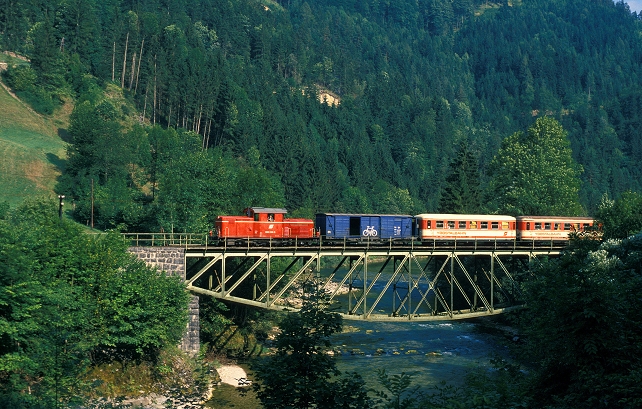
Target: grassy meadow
{"points": [[31, 149]]}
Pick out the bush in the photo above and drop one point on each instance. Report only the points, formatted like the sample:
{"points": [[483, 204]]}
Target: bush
{"points": [[20, 77], [39, 99]]}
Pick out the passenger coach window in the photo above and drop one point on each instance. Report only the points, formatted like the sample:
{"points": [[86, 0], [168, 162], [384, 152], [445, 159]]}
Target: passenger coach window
{"points": [[473, 225], [494, 225], [440, 224], [484, 225], [451, 224], [462, 224], [585, 226], [567, 226], [538, 226], [505, 226], [557, 226], [547, 226]]}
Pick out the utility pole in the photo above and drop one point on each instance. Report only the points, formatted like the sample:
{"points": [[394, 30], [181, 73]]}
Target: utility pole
{"points": [[61, 203]]}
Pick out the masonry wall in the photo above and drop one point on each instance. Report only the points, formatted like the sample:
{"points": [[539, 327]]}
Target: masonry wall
{"points": [[172, 261]]}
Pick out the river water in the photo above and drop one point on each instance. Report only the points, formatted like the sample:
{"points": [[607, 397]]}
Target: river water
{"points": [[430, 351]]}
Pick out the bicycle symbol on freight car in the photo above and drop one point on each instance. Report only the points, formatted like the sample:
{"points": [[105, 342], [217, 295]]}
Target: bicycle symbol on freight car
{"points": [[370, 231]]}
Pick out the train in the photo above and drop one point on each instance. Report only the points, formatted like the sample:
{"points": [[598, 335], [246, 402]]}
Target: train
{"points": [[260, 224]]}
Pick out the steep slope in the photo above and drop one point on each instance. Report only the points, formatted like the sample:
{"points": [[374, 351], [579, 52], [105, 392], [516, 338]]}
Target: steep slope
{"points": [[32, 152]]}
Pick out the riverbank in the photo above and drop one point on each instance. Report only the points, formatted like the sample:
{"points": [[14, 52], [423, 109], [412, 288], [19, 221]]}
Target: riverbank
{"points": [[180, 382], [233, 375]]}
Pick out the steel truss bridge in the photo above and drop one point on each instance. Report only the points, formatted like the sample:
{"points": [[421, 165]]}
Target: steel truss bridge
{"points": [[364, 281]]}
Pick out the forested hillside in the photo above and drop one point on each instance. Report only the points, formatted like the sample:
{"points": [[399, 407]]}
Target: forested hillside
{"points": [[186, 109]]}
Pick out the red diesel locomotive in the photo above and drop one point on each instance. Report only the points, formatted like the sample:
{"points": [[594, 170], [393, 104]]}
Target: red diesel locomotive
{"points": [[264, 223]]}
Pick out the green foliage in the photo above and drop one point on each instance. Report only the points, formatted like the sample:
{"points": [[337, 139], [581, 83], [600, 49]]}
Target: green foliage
{"points": [[412, 77], [398, 393], [462, 192], [212, 321], [39, 99], [67, 298], [582, 326], [301, 373], [535, 174], [20, 77], [621, 218]]}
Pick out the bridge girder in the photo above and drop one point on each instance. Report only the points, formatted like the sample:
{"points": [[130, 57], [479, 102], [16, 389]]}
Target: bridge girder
{"points": [[421, 285]]}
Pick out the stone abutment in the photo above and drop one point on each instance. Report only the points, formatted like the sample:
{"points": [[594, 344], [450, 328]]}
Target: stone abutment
{"points": [[171, 260]]}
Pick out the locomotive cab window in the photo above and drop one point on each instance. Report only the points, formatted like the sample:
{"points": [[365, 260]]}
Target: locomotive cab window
{"points": [[256, 217], [270, 217], [494, 225], [462, 224]]}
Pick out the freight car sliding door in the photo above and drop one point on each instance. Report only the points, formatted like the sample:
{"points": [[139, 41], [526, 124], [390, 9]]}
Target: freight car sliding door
{"points": [[355, 226]]}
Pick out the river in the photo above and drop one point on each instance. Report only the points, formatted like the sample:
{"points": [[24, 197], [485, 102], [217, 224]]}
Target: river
{"points": [[430, 351]]}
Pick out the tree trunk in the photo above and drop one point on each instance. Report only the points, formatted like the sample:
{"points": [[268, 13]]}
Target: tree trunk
{"points": [[113, 63], [131, 77], [154, 111], [122, 77], [140, 57]]}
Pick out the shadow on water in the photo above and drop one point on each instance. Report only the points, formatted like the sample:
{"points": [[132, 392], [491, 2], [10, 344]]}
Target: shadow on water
{"points": [[228, 396]]}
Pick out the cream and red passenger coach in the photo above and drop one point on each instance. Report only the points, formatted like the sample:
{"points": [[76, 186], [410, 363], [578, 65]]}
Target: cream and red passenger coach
{"points": [[550, 228], [465, 227]]}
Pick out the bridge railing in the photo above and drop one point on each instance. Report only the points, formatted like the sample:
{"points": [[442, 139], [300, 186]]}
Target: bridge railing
{"points": [[205, 240], [166, 239]]}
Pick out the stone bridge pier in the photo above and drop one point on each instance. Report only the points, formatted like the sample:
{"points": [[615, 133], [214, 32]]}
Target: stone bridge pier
{"points": [[172, 261]]}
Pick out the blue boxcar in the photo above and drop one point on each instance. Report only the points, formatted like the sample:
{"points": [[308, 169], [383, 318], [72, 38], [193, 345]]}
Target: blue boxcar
{"points": [[372, 226]]}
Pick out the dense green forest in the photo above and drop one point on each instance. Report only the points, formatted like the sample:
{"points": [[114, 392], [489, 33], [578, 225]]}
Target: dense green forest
{"points": [[188, 109]]}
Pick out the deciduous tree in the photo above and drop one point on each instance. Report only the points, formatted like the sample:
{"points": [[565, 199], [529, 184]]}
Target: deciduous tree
{"points": [[583, 327], [534, 173], [302, 374]]}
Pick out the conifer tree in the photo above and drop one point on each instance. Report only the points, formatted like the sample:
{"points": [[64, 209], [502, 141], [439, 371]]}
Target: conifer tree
{"points": [[462, 193]]}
